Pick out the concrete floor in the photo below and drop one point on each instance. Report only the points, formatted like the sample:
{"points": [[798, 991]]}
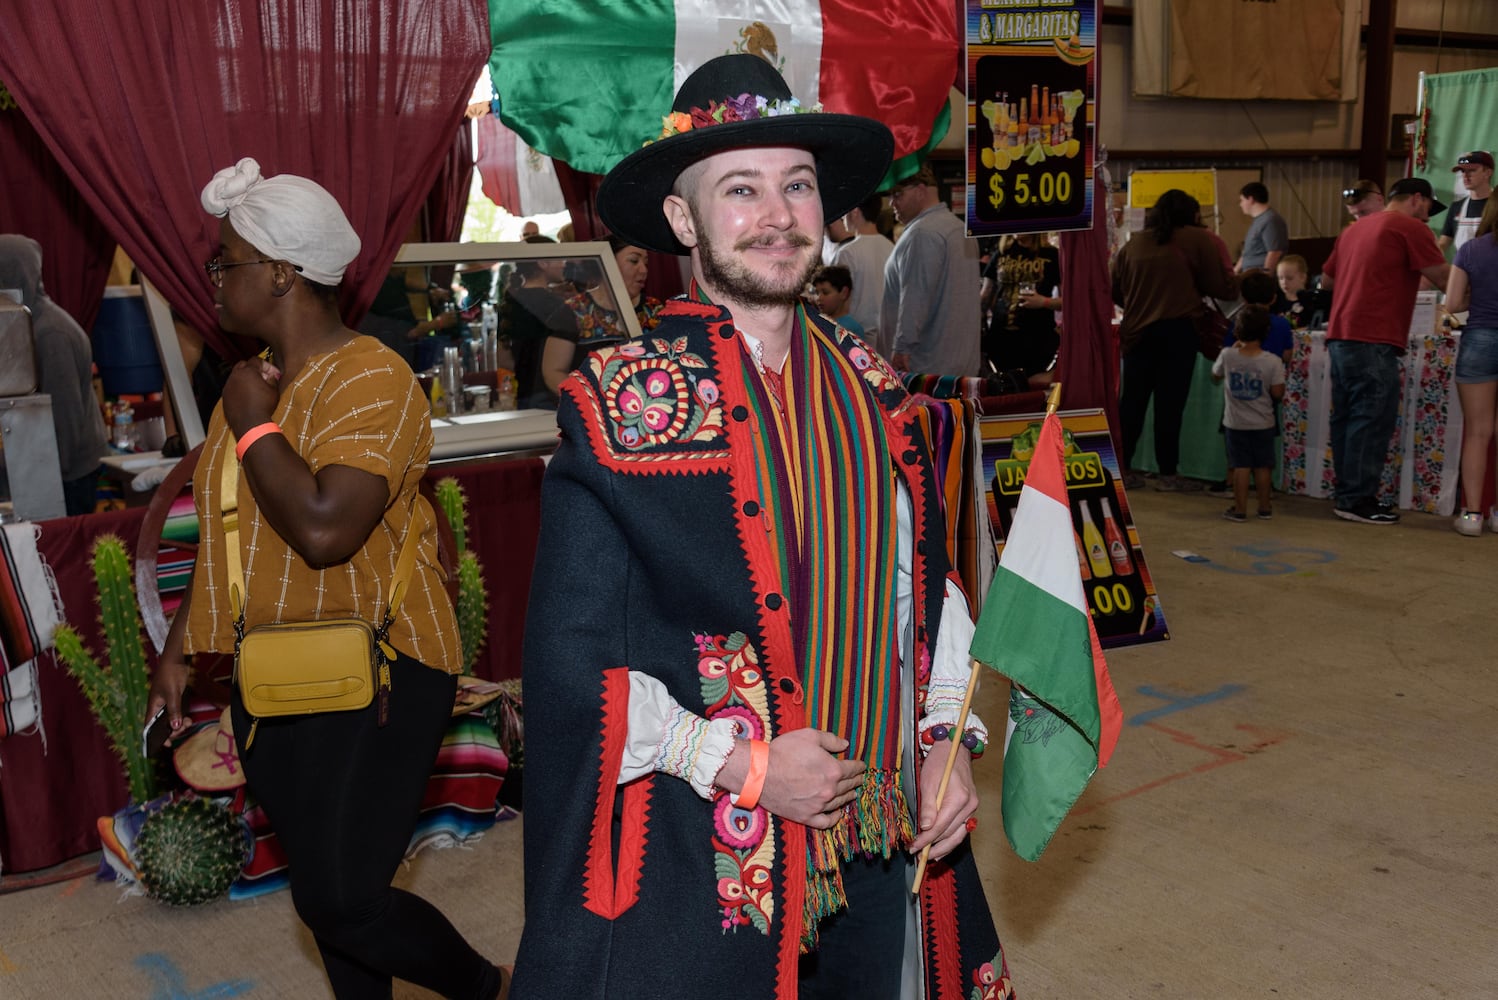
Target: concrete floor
{"points": [[1303, 802]]}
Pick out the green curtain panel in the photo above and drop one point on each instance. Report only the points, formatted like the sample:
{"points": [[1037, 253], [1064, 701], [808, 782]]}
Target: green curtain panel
{"points": [[1463, 116]]}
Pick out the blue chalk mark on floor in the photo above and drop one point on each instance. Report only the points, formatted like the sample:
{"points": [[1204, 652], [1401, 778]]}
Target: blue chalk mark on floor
{"points": [[168, 982], [1273, 559], [1179, 702]]}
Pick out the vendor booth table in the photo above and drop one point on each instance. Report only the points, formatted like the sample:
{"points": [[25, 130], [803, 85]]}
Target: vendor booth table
{"points": [[1424, 453]]}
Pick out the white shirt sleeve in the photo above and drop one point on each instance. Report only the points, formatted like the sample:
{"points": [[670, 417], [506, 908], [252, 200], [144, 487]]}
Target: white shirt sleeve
{"points": [[951, 665], [665, 737]]}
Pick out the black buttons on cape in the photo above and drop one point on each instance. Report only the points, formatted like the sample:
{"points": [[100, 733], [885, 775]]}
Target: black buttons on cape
{"points": [[910, 456], [773, 602], [726, 331], [751, 509], [789, 686], [740, 414]]}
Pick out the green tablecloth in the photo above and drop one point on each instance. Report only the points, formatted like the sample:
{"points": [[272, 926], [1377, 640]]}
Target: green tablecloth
{"points": [[1203, 451]]}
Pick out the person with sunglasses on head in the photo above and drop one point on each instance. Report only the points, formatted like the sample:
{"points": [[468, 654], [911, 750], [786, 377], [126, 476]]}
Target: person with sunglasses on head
{"points": [[325, 442], [1362, 199]]}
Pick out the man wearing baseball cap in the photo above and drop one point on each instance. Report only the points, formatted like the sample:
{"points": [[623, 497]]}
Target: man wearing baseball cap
{"points": [[1465, 213], [1374, 272], [744, 659]]}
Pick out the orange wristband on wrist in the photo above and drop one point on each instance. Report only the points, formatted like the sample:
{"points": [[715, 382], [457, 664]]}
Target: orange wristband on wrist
{"points": [[754, 781], [254, 434]]}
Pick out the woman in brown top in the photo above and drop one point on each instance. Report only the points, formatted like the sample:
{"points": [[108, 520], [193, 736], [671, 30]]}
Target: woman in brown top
{"points": [[1160, 278], [334, 435]]}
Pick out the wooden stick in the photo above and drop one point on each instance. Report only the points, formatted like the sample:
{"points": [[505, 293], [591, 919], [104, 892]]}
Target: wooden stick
{"points": [[946, 774]]}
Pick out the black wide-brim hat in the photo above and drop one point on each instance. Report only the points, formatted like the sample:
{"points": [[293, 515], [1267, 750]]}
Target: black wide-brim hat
{"points": [[852, 152]]}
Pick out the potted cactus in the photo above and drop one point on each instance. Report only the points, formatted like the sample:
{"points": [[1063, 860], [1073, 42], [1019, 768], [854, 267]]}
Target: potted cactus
{"points": [[473, 597], [118, 690]]}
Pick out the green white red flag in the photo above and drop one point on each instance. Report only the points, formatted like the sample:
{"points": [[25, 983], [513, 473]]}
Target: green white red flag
{"points": [[588, 83], [1064, 716]]}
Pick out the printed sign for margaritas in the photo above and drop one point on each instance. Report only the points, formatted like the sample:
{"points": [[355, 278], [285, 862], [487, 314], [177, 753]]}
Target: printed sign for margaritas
{"points": [[1032, 87]]}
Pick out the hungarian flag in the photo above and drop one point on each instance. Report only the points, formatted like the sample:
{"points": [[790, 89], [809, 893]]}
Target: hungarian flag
{"points": [[1064, 716], [588, 83]]}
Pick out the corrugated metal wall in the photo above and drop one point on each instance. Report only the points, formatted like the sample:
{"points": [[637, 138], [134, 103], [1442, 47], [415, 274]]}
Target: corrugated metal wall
{"points": [[1307, 192]]}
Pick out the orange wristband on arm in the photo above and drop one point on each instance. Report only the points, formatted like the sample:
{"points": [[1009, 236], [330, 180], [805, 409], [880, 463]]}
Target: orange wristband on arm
{"points": [[254, 434], [754, 781]]}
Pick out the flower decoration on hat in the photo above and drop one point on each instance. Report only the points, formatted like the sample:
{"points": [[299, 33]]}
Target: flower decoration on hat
{"points": [[744, 108]]}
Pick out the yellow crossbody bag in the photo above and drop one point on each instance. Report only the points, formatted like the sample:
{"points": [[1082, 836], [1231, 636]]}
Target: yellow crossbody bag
{"points": [[299, 668]]}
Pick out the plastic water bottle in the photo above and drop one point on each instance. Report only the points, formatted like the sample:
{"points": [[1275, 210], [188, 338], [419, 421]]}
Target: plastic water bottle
{"points": [[124, 427]]}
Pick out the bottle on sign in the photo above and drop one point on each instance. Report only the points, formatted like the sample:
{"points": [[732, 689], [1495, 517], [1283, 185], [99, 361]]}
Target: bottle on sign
{"points": [[1118, 546], [1092, 541]]}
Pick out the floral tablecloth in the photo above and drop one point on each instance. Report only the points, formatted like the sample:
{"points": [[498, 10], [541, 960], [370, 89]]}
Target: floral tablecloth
{"points": [[1429, 429]]}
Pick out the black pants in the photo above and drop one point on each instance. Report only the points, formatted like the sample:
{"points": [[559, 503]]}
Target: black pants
{"points": [[1160, 365], [342, 794], [861, 951]]}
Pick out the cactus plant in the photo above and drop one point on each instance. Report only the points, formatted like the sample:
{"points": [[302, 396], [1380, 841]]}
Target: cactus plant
{"points": [[118, 692], [190, 852], [473, 596], [454, 501]]}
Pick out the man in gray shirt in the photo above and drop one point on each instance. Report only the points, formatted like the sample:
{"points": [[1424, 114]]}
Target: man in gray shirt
{"points": [[1268, 237], [931, 305]]}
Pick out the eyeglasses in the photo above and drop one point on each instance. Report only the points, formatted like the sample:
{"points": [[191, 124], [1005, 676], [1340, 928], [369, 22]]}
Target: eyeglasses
{"points": [[1356, 194], [215, 268]]}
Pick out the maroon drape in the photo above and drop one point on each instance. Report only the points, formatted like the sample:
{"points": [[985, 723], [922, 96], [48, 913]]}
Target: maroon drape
{"points": [[442, 214], [1087, 366], [580, 191], [38, 200], [141, 103]]}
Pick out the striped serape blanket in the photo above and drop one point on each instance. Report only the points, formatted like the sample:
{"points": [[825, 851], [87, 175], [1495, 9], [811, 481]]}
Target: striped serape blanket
{"points": [[30, 611]]}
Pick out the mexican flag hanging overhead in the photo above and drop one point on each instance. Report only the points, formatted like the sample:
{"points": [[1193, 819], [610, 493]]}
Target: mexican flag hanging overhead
{"points": [[589, 83]]}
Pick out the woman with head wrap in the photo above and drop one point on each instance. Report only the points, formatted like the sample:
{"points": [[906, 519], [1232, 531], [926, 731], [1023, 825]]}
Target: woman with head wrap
{"points": [[64, 362], [333, 437]]}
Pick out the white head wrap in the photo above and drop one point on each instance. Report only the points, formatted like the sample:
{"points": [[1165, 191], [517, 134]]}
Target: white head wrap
{"points": [[285, 217]]}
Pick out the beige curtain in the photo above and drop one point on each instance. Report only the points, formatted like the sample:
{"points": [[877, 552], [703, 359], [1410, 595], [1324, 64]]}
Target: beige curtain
{"points": [[1246, 49]]}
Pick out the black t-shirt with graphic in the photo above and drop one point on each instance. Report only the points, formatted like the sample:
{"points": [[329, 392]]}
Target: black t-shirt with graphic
{"points": [[1018, 337]]}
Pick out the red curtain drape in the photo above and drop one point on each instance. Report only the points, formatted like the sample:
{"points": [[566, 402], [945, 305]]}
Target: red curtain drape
{"points": [[38, 200], [442, 214], [1087, 367], [141, 103]]}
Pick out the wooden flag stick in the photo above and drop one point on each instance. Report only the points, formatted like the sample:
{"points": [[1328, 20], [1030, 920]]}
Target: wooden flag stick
{"points": [[946, 774]]}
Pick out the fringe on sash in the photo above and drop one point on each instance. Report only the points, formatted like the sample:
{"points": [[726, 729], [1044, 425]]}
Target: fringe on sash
{"points": [[876, 823]]}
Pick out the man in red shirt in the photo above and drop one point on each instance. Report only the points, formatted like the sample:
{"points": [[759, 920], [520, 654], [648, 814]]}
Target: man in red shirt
{"points": [[1374, 272]]}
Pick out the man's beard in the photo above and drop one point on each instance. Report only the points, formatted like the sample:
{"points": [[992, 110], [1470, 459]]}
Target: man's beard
{"points": [[728, 275]]}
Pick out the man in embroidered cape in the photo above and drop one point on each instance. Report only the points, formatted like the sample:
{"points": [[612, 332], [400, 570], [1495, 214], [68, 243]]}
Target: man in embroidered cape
{"points": [[744, 653]]}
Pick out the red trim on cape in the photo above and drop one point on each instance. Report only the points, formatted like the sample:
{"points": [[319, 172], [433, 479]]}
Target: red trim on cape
{"points": [[943, 944], [604, 892]]}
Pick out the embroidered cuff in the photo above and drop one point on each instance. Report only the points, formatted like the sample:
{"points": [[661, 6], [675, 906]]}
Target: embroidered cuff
{"points": [[694, 749]]}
